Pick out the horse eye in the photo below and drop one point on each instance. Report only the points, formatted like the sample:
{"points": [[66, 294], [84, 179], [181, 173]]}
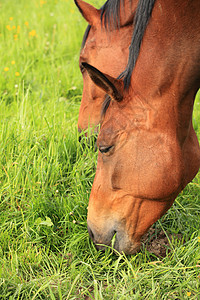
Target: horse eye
{"points": [[105, 149]]}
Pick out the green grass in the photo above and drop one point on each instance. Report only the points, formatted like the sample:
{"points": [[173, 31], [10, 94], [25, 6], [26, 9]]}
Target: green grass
{"points": [[46, 176]]}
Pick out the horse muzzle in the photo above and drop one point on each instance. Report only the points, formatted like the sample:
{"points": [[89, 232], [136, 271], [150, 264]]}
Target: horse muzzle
{"points": [[114, 237]]}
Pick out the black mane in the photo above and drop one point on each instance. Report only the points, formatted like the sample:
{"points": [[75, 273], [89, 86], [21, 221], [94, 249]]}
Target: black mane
{"points": [[142, 16], [111, 12]]}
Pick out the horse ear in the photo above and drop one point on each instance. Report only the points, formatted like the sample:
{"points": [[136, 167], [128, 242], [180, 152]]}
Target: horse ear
{"points": [[89, 12], [113, 87]]}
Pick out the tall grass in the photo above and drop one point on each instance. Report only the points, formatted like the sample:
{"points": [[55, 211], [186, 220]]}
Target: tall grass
{"points": [[46, 176]]}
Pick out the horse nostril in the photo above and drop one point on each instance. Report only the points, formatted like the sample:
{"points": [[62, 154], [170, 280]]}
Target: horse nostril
{"points": [[90, 233]]}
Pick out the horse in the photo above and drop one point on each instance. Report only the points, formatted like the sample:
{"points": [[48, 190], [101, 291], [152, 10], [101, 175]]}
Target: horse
{"points": [[106, 39], [148, 149]]}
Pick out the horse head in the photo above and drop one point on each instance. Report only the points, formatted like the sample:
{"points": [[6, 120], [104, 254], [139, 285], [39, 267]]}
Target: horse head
{"points": [[148, 149], [141, 165]]}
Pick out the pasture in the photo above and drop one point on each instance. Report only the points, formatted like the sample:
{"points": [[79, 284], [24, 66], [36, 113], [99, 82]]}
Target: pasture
{"points": [[46, 176]]}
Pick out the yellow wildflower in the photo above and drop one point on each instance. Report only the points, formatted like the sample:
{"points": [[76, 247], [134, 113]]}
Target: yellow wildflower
{"points": [[32, 33], [8, 27], [42, 2], [188, 294], [18, 29], [26, 23], [14, 27], [17, 74], [199, 239], [11, 18], [12, 62], [15, 36], [6, 69]]}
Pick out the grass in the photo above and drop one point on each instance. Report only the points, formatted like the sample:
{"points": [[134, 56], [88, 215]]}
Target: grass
{"points": [[46, 176]]}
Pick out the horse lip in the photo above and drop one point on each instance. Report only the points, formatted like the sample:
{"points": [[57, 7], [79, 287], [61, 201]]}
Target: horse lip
{"points": [[102, 246]]}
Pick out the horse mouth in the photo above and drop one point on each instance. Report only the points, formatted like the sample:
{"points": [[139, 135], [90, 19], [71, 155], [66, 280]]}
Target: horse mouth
{"points": [[118, 245], [112, 244]]}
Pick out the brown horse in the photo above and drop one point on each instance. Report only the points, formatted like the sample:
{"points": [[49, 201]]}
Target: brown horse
{"points": [[148, 149], [105, 45]]}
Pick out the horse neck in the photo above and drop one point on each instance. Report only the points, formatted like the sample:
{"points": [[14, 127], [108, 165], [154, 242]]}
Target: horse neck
{"points": [[168, 67]]}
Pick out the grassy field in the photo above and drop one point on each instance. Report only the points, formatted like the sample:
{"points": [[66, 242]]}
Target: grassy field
{"points": [[46, 176]]}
